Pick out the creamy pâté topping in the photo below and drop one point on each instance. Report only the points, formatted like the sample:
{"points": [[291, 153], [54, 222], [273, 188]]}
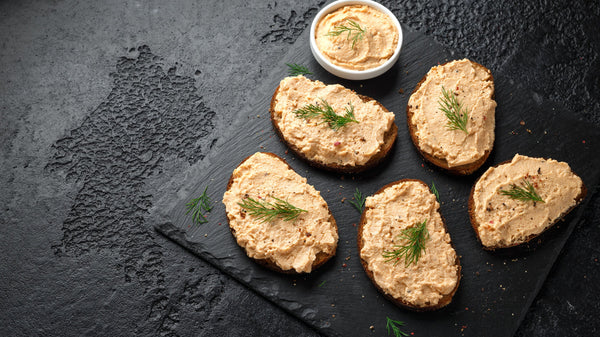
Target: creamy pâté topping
{"points": [[474, 88], [289, 244], [398, 207], [352, 144], [503, 221], [377, 45]]}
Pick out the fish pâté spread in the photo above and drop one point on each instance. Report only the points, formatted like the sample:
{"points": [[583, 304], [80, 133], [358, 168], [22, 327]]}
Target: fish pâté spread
{"points": [[367, 38], [291, 245]]}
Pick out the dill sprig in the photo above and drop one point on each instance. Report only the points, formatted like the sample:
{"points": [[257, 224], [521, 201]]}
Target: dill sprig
{"points": [[267, 212], [197, 205], [395, 327], [327, 114], [296, 69], [524, 192], [359, 201], [352, 28], [415, 238], [454, 110], [435, 191]]}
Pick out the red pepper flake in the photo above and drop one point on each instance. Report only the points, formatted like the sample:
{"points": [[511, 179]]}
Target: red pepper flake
{"points": [[412, 333], [259, 197], [484, 118], [457, 88], [353, 225], [422, 165], [491, 221], [344, 265], [467, 308], [583, 141], [336, 144], [464, 327], [219, 224]]}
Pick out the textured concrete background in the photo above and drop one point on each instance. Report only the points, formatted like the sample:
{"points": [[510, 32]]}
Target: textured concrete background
{"points": [[105, 104]]}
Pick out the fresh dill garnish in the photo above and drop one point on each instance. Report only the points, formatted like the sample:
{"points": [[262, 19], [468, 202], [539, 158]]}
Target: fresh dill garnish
{"points": [[524, 192], [352, 27], [327, 114], [267, 212], [359, 201], [415, 238], [455, 111], [197, 205], [435, 191], [296, 69], [395, 327]]}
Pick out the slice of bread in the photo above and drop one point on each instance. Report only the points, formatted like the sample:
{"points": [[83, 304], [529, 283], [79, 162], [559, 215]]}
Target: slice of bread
{"points": [[352, 148], [431, 282], [501, 221], [454, 150], [293, 246]]}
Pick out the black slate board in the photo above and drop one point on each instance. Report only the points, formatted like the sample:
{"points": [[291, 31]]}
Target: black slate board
{"points": [[497, 288]]}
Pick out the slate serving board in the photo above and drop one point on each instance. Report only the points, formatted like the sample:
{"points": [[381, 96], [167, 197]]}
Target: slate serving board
{"points": [[497, 288]]}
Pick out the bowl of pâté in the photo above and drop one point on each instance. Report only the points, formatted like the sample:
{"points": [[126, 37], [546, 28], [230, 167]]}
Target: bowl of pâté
{"points": [[356, 40]]}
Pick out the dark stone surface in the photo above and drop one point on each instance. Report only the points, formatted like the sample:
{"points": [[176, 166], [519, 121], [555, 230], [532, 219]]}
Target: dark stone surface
{"points": [[106, 106]]}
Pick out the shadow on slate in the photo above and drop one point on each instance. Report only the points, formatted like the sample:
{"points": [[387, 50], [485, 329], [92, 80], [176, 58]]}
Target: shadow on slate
{"points": [[497, 288]]}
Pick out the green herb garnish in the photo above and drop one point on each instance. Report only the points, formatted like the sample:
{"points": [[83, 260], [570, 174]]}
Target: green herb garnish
{"points": [[524, 192], [454, 110], [359, 201], [296, 69], [435, 191], [322, 284], [351, 28], [327, 114], [394, 326], [197, 205], [415, 238], [267, 212]]}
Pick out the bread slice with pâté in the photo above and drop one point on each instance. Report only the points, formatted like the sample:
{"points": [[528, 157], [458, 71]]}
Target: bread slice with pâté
{"points": [[280, 220], [405, 247], [330, 126], [517, 200], [451, 116]]}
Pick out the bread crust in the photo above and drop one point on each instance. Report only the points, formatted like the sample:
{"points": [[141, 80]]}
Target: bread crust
{"points": [[389, 138], [321, 257], [471, 207], [465, 169], [445, 300]]}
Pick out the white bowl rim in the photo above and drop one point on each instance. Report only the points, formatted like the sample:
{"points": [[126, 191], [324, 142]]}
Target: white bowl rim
{"points": [[353, 73]]}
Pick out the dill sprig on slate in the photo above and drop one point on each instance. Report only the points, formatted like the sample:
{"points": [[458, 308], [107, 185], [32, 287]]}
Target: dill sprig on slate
{"points": [[327, 114], [454, 110], [359, 201], [435, 191], [394, 326], [352, 28], [415, 238], [197, 205], [525, 192], [296, 69], [267, 212]]}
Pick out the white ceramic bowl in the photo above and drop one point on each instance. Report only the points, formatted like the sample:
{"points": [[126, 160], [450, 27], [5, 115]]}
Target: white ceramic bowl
{"points": [[347, 73]]}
